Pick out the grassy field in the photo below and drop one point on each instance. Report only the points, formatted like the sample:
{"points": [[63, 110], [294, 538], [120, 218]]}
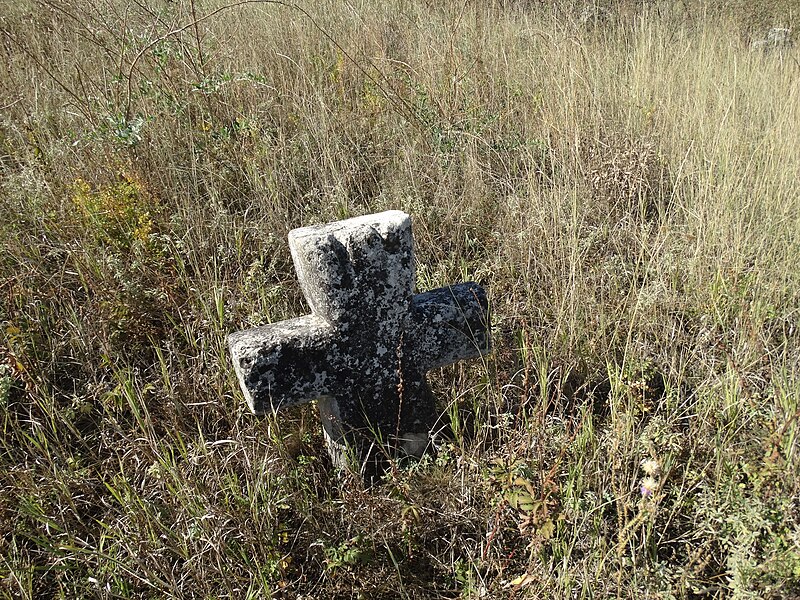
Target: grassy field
{"points": [[625, 188]]}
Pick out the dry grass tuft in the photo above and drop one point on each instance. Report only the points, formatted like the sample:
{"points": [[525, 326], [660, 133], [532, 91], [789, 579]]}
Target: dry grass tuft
{"points": [[625, 186]]}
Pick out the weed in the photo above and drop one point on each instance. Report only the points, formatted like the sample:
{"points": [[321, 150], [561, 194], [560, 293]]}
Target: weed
{"points": [[118, 214]]}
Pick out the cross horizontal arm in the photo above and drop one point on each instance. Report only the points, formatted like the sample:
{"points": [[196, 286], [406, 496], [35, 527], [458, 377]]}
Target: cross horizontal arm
{"points": [[449, 324], [282, 364]]}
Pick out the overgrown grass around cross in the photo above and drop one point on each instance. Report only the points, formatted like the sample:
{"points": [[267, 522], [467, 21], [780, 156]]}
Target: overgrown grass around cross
{"points": [[624, 186]]}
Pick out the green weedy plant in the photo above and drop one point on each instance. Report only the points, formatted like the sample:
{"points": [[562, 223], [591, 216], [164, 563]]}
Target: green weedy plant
{"points": [[118, 214], [349, 553]]}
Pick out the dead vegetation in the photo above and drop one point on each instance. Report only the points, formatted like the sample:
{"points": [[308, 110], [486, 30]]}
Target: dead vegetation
{"points": [[626, 189]]}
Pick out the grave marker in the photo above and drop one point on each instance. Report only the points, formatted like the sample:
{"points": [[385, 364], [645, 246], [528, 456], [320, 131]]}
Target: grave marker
{"points": [[364, 350]]}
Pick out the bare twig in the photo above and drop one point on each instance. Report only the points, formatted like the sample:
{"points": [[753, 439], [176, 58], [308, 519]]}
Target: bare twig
{"points": [[81, 102], [10, 104], [197, 35], [381, 83]]}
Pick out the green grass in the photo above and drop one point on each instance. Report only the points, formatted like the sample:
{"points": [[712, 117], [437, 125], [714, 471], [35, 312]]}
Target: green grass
{"points": [[627, 192]]}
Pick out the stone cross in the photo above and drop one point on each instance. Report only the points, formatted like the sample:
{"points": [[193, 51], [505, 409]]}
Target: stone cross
{"points": [[364, 350]]}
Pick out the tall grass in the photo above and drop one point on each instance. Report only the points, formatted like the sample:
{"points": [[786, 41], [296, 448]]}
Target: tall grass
{"points": [[625, 188]]}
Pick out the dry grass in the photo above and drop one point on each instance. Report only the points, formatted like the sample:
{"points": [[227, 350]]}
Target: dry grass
{"points": [[627, 190]]}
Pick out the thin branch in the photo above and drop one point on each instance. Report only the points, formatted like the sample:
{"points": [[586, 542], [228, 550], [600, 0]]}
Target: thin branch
{"points": [[10, 104], [197, 35], [81, 21], [177, 31], [381, 84], [81, 102]]}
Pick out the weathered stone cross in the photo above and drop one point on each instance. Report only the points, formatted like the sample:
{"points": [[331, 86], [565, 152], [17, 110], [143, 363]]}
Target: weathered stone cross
{"points": [[365, 348]]}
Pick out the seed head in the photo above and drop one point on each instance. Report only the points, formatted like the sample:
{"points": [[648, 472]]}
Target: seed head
{"points": [[648, 486], [651, 467]]}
